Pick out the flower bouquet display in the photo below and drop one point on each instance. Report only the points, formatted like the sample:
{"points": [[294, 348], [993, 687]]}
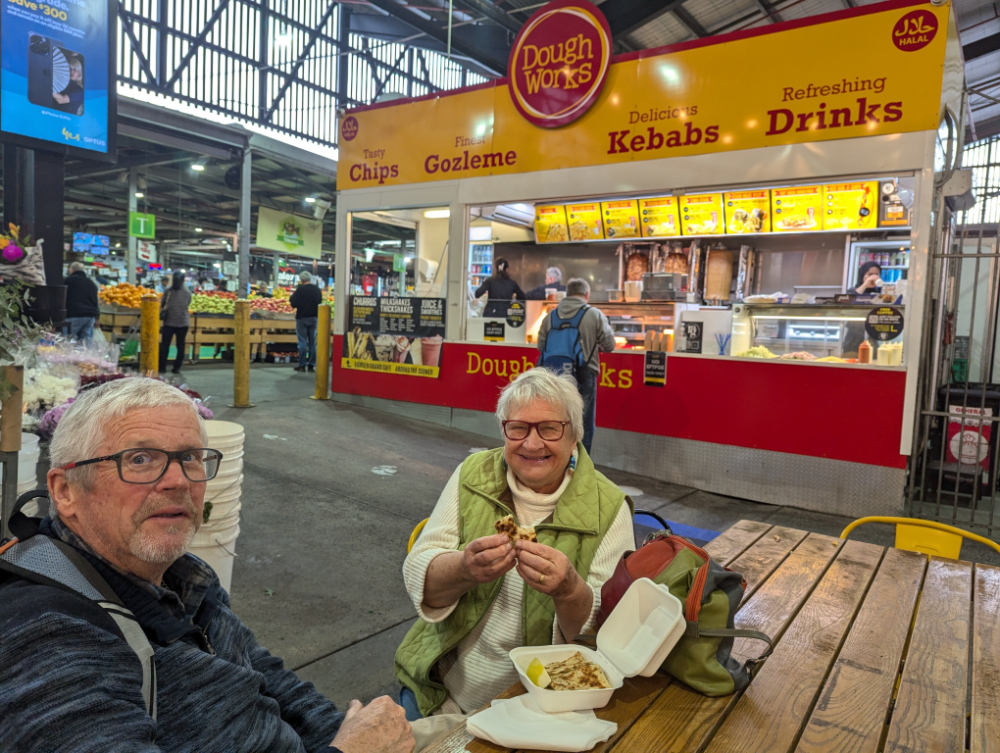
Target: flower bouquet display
{"points": [[20, 259]]}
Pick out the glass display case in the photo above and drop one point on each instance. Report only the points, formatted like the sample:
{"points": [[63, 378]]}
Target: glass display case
{"points": [[819, 330]]}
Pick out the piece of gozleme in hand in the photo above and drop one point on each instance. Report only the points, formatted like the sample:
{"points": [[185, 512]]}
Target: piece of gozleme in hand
{"points": [[514, 531]]}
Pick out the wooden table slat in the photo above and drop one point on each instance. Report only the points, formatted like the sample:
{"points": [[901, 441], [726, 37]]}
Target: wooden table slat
{"points": [[732, 542], [929, 714], [985, 728], [851, 712], [772, 712], [764, 557], [681, 720]]}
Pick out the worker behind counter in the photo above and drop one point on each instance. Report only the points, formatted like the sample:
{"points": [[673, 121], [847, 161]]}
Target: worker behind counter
{"points": [[869, 283], [501, 289], [553, 280]]}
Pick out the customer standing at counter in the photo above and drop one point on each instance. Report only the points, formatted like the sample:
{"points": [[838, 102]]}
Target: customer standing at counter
{"points": [[82, 307], [306, 301], [553, 280], [501, 290], [593, 334]]}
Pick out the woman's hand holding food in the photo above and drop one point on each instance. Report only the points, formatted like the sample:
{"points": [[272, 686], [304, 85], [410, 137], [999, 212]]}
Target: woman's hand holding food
{"points": [[546, 570], [489, 558]]}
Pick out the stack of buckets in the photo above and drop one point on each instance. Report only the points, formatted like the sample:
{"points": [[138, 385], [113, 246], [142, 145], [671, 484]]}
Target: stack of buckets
{"points": [[27, 469], [215, 541]]}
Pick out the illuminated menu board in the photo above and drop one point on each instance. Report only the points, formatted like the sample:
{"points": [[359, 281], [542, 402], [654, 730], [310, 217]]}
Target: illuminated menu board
{"points": [[658, 217], [797, 209], [748, 211], [701, 214], [850, 206], [621, 219], [550, 224], [585, 221]]}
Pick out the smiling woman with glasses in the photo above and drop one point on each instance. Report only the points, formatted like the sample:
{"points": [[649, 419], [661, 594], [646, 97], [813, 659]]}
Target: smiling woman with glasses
{"points": [[468, 581]]}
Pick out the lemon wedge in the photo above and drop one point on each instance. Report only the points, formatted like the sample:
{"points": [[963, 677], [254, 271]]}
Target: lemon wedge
{"points": [[537, 674]]}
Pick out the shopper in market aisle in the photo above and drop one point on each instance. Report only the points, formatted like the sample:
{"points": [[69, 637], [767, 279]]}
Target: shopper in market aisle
{"points": [[584, 333], [546, 478], [306, 300], [82, 307], [500, 288], [72, 672], [553, 281], [174, 304]]}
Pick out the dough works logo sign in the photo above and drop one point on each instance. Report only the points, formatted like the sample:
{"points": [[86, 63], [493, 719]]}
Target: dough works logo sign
{"points": [[559, 62], [349, 128], [915, 30]]}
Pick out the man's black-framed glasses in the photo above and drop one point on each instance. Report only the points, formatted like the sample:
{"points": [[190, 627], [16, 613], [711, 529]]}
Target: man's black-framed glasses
{"points": [[145, 465], [550, 431]]}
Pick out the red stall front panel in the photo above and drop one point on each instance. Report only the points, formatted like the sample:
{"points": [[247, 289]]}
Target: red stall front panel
{"points": [[850, 413]]}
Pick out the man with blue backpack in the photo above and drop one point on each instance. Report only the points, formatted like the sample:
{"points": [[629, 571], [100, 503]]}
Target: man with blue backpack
{"points": [[571, 340]]}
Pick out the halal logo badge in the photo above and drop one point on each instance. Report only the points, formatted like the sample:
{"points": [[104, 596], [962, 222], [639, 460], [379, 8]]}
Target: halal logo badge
{"points": [[559, 62], [349, 128], [915, 30]]}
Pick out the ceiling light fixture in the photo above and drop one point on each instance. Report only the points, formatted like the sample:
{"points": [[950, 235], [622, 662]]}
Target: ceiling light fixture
{"points": [[118, 245], [310, 199], [139, 194], [198, 167], [437, 214], [197, 229]]}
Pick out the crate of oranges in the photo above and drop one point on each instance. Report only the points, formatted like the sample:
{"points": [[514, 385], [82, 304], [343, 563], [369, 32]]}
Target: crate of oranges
{"points": [[124, 295]]}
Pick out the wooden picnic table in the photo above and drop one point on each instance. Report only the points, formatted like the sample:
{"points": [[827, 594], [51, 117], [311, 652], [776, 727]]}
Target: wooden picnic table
{"points": [[876, 650]]}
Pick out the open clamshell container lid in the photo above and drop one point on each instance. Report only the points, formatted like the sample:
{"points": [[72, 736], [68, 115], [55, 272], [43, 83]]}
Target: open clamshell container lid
{"points": [[635, 639]]}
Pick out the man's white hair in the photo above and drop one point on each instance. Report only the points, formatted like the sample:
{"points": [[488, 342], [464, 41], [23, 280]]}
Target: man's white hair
{"points": [[305, 276], [558, 390], [84, 425], [76, 267], [554, 274]]}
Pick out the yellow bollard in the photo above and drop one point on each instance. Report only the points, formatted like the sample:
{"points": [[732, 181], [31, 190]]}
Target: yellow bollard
{"points": [[323, 354], [241, 357], [149, 337]]}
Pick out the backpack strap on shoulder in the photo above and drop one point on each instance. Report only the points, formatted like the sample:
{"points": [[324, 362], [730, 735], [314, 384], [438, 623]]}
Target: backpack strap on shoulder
{"points": [[54, 563]]}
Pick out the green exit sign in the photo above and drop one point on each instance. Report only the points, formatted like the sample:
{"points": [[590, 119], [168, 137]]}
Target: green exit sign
{"points": [[141, 225]]}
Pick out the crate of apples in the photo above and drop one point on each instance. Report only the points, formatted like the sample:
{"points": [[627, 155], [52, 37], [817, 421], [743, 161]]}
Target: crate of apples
{"points": [[271, 305]]}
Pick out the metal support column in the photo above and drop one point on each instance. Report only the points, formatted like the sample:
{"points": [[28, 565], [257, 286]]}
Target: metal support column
{"points": [[276, 263], [131, 258], [244, 228]]}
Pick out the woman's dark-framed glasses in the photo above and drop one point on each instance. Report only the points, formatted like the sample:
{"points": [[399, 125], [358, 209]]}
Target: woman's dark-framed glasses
{"points": [[145, 465], [550, 431]]}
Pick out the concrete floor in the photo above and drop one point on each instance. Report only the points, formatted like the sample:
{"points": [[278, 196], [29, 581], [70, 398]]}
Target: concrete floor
{"points": [[323, 537]]}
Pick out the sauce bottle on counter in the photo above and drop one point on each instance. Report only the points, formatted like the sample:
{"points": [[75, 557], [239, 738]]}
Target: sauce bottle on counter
{"points": [[865, 352]]}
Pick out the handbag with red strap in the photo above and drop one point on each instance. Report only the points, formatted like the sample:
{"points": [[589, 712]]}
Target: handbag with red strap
{"points": [[711, 594]]}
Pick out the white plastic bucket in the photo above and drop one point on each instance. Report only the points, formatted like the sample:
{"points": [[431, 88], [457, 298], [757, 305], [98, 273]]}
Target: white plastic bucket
{"points": [[27, 463], [225, 432], [224, 509], [218, 549]]}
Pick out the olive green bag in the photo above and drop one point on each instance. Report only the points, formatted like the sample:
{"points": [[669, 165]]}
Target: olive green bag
{"points": [[711, 594]]}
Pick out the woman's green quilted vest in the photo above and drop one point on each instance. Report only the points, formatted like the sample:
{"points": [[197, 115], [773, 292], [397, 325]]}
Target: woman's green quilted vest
{"points": [[582, 517]]}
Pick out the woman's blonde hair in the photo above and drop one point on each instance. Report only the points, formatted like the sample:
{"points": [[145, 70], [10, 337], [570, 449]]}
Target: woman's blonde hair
{"points": [[558, 390]]}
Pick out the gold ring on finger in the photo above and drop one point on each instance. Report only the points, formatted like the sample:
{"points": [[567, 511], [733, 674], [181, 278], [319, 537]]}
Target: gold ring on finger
{"points": [[541, 577]]}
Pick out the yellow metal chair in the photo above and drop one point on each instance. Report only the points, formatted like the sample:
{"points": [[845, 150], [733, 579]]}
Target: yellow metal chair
{"points": [[416, 534], [925, 536]]}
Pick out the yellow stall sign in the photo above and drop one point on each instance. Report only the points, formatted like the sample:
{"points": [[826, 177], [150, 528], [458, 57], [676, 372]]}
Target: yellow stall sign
{"points": [[851, 206], [585, 222], [658, 217], [550, 224], [621, 219], [748, 212], [797, 209], [701, 214]]}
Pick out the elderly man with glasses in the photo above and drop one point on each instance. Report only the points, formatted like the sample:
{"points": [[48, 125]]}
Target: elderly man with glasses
{"points": [[113, 638]]}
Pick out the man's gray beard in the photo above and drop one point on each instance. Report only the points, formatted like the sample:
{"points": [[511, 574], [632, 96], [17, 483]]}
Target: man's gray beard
{"points": [[146, 548]]}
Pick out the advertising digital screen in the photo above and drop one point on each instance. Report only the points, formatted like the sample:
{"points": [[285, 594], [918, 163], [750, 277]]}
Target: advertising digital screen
{"points": [[85, 243], [56, 81]]}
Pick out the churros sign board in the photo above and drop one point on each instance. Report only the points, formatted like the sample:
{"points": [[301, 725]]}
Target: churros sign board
{"points": [[867, 71]]}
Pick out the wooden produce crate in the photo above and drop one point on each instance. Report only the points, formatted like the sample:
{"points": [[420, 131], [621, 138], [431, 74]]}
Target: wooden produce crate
{"points": [[218, 331], [116, 324], [277, 332]]}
